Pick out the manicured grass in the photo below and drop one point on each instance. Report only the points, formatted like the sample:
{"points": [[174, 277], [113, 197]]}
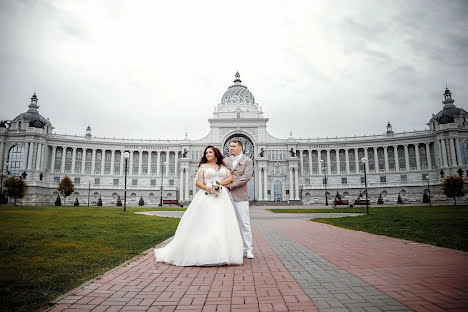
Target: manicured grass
{"points": [[444, 226], [305, 210], [46, 251]]}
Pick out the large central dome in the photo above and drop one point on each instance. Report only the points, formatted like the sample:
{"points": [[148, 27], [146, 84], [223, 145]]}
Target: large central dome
{"points": [[237, 97]]}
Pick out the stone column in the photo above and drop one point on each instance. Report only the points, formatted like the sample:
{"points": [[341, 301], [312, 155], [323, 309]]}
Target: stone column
{"points": [[72, 169], [338, 165], [30, 156], [444, 153], [302, 161], [265, 183], [43, 156], [112, 162], [176, 158], [186, 183], [376, 160], [25, 156], [366, 155], [319, 164], [406, 157], [52, 164], [418, 161], [83, 160], [260, 184], [347, 161], [296, 174], [452, 152], [103, 160], [130, 170], [122, 162], [356, 159], [291, 186], [140, 163], [149, 163], [310, 162], [64, 154], [328, 162], [397, 161], [2, 151], [459, 155], [158, 167], [181, 184], [387, 166], [428, 156], [38, 156], [93, 162], [167, 162]]}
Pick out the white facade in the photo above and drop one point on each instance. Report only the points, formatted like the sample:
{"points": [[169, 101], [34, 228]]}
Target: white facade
{"points": [[285, 169]]}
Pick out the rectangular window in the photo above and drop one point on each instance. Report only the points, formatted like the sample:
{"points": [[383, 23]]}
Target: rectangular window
{"points": [[307, 181], [153, 182], [171, 182], [88, 169], [116, 181], [77, 167], [76, 181], [134, 181], [363, 181], [56, 179], [424, 176], [108, 157], [404, 178], [97, 181], [78, 155], [287, 192], [344, 180], [89, 156], [383, 179], [117, 169]]}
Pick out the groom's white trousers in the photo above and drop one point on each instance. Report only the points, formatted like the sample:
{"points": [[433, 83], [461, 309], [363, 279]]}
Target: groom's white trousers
{"points": [[243, 216]]}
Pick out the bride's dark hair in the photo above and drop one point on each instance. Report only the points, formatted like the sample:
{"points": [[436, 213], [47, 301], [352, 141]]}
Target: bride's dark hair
{"points": [[218, 155]]}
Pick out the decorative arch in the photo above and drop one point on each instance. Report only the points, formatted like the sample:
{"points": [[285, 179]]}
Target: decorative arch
{"points": [[248, 147], [15, 159]]}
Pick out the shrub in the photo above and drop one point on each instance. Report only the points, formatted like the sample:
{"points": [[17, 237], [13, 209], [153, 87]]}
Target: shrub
{"points": [[15, 187], [426, 198], [141, 202], [77, 203], [399, 200], [119, 202], [99, 202], [380, 199], [58, 201]]}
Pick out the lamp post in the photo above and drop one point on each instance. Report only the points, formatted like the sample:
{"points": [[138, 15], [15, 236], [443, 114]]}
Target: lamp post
{"points": [[89, 189], [364, 161], [162, 179], [126, 156], [2, 175], [429, 189], [325, 180]]}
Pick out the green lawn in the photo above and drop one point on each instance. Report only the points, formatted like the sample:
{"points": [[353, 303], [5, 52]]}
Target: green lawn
{"points": [[46, 251], [444, 226]]}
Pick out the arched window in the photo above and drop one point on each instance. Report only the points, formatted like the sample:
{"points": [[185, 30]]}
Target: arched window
{"points": [[345, 193], [15, 158], [76, 194], [307, 194], [114, 195], [384, 193], [96, 194], [151, 194], [169, 194], [55, 193], [133, 195], [403, 192]]}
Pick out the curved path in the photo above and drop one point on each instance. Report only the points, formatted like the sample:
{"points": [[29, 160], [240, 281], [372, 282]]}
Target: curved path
{"points": [[299, 265]]}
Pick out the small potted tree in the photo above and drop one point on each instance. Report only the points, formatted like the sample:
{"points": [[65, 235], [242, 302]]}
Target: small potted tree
{"points": [[77, 203], [141, 202], [119, 201], [99, 203]]}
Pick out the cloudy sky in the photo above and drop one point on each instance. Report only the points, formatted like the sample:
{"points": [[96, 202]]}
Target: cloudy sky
{"points": [[157, 69]]}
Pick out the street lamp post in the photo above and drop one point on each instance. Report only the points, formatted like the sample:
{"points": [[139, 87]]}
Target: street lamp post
{"points": [[325, 181], [429, 189], [126, 156], [364, 161], [162, 180], [89, 189]]}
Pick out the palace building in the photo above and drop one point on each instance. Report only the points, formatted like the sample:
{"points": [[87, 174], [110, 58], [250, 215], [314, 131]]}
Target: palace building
{"points": [[285, 169]]}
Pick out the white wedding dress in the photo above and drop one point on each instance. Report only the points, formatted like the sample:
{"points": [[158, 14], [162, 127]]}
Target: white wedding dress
{"points": [[208, 233]]}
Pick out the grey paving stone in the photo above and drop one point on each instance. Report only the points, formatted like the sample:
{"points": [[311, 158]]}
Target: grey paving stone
{"points": [[329, 287]]}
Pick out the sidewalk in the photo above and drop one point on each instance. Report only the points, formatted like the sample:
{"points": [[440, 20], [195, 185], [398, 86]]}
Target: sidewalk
{"points": [[299, 265]]}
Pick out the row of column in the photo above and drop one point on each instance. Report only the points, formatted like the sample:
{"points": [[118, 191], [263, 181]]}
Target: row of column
{"points": [[112, 162], [29, 162], [376, 162], [450, 152]]}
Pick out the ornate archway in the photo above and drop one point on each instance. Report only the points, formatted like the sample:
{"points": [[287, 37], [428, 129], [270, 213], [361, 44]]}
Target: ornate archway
{"points": [[249, 150]]}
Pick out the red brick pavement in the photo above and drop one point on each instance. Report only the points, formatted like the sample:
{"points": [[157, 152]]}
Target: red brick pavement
{"points": [[422, 277], [261, 284]]}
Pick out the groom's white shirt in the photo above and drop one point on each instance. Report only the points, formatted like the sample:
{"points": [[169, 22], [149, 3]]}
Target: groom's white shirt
{"points": [[235, 160]]}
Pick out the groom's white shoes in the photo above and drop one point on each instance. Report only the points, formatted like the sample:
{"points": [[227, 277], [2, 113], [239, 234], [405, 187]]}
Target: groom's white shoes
{"points": [[249, 254]]}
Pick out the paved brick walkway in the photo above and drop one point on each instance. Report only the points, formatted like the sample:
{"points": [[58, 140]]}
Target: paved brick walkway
{"points": [[299, 265]]}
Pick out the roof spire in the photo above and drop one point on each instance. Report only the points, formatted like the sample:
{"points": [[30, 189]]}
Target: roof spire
{"points": [[448, 101], [33, 106], [237, 80]]}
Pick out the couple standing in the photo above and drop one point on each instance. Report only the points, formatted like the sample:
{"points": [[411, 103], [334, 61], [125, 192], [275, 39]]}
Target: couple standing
{"points": [[208, 233]]}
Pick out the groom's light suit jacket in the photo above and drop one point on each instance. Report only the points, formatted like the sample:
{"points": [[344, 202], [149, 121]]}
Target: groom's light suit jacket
{"points": [[241, 174]]}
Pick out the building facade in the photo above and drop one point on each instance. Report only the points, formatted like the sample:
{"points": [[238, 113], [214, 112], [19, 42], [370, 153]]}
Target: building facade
{"points": [[288, 169]]}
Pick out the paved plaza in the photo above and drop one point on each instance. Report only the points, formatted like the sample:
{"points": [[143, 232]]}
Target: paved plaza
{"points": [[299, 265]]}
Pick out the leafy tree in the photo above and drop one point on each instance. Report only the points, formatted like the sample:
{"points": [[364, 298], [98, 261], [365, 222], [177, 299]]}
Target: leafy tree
{"points": [[66, 187], [99, 202], [380, 199], [453, 187], [426, 198], [15, 187], [399, 200], [119, 201], [58, 201], [141, 202], [77, 203]]}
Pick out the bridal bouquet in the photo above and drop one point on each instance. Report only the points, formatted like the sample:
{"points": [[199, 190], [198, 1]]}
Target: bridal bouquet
{"points": [[215, 188]]}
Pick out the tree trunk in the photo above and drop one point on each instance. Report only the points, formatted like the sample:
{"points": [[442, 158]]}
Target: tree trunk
{"points": [[455, 199]]}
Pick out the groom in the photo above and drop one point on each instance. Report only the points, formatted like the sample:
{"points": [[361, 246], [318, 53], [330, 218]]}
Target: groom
{"points": [[241, 168]]}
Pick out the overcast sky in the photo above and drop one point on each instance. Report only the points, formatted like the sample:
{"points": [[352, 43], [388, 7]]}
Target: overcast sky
{"points": [[157, 69]]}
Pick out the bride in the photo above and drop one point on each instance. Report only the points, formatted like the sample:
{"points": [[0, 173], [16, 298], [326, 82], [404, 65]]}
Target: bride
{"points": [[208, 233]]}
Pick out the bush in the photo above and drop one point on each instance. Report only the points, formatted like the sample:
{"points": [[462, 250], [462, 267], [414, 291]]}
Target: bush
{"points": [[453, 187], [426, 198], [141, 202], [337, 196], [399, 200], [15, 187], [99, 202], [77, 203], [119, 202], [58, 201]]}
